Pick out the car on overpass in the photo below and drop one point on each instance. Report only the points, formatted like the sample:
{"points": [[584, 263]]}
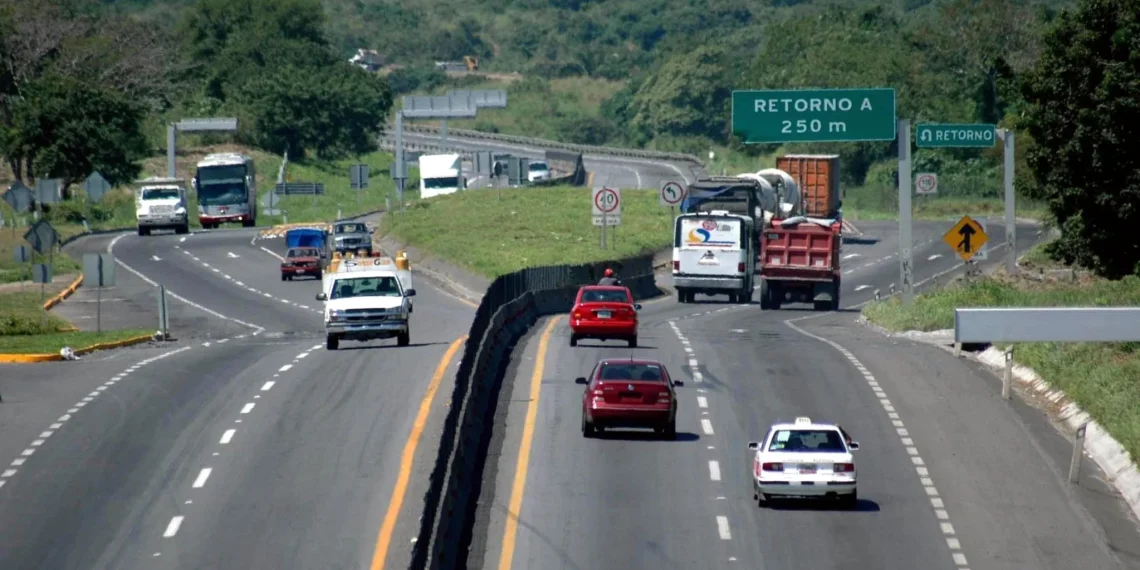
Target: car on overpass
{"points": [[629, 393], [804, 460]]}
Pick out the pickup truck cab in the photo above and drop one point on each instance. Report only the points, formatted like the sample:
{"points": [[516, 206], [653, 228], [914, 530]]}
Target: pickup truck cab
{"points": [[367, 299], [160, 204]]}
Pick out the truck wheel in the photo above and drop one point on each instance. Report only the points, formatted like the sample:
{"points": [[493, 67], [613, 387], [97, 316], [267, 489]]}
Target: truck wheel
{"points": [[143, 231], [332, 342], [248, 223], [680, 296], [765, 295], [183, 229], [404, 339], [822, 305], [835, 294], [283, 277], [746, 298]]}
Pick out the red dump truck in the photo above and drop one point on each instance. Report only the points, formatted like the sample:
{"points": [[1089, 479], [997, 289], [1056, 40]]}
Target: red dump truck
{"points": [[799, 253]]}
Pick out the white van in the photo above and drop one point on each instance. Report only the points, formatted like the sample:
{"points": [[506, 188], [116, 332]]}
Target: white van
{"points": [[714, 253], [441, 174]]}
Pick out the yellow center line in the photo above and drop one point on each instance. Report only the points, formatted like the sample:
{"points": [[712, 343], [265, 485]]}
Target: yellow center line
{"points": [[519, 486], [384, 540]]}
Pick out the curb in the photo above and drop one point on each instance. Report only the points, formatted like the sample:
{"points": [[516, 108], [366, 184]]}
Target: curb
{"points": [[59, 297], [32, 358], [1122, 471]]}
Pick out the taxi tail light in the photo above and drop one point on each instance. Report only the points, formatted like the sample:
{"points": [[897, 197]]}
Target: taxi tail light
{"points": [[676, 265], [773, 467], [844, 467], [740, 267]]}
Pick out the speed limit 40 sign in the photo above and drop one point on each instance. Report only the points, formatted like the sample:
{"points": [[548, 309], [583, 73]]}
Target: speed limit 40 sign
{"points": [[606, 205]]}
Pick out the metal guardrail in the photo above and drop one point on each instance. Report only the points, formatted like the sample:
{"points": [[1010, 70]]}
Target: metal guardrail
{"points": [[548, 144]]}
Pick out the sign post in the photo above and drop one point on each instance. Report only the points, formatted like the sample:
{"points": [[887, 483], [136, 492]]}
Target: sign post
{"points": [[671, 196], [906, 242], [1010, 206], [606, 209], [99, 272]]}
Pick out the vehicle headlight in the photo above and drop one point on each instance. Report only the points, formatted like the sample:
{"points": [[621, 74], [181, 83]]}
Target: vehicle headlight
{"points": [[180, 210], [335, 315]]}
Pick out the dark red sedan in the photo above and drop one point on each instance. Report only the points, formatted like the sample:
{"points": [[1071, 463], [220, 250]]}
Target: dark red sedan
{"points": [[301, 261], [604, 312], [629, 393]]}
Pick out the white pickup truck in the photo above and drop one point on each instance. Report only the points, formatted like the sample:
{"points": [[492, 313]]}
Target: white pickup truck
{"points": [[367, 298], [160, 204]]}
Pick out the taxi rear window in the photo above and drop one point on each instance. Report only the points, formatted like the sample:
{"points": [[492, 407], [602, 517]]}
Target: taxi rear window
{"points": [[807, 441]]}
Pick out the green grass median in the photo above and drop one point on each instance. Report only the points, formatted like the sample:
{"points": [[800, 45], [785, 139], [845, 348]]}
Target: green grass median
{"points": [[1100, 377], [528, 227]]}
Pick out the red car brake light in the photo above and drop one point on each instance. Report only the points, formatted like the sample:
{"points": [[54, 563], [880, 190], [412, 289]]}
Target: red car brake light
{"points": [[676, 266], [773, 467], [843, 467]]}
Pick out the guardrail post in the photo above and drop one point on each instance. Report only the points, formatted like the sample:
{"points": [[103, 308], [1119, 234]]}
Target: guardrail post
{"points": [[1078, 450], [1007, 378]]}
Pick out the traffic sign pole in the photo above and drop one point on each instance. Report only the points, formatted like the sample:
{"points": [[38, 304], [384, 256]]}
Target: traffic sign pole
{"points": [[906, 252], [1010, 211]]}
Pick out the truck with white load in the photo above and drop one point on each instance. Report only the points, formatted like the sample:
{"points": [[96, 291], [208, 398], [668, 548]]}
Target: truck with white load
{"points": [[714, 253], [441, 174], [160, 204], [367, 298]]}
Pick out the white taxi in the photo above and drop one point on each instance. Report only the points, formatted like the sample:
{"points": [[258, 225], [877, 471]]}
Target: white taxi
{"points": [[804, 459]]}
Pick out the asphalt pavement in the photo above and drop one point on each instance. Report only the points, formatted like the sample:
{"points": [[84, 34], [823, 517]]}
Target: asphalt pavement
{"points": [[247, 446], [949, 476]]}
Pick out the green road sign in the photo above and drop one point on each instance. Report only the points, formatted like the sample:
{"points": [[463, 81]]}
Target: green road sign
{"points": [[955, 136], [814, 115]]}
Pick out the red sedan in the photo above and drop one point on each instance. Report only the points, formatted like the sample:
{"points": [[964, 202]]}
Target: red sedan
{"points": [[604, 312], [629, 393], [301, 261]]}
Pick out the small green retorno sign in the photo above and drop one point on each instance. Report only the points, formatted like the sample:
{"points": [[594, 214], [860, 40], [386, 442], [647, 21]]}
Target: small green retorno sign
{"points": [[815, 115], [934, 135]]}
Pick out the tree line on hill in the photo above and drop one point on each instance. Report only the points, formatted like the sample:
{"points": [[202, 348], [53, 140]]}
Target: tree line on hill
{"points": [[81, 87]]}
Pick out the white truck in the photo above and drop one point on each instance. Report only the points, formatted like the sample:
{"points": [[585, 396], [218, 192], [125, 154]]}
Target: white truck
{"points": [[366, 298], [441, 174], [714, 253], [160, 204]]}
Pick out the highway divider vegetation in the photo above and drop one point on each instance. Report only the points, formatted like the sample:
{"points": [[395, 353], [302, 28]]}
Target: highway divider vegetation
{"points": [[1100, 377], [510, 306], [528, 228]]}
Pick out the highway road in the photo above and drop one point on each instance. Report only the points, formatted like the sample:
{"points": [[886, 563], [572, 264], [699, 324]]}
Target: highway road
{"points": [[608, 170], [243, 444], [951, 476]]}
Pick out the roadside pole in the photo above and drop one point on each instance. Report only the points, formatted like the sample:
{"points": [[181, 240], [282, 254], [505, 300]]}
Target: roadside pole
{"points": [[906, 251], [1007, 137]]}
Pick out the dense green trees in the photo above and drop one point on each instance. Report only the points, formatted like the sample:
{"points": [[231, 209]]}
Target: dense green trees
{"points": [[1083, 110]]}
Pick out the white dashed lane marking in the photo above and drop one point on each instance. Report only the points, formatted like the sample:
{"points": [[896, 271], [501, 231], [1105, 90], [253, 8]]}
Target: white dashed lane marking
{"points": [[247, 408], [722, 528], [907, 442], [173, 526], [714, 470], [202, 476], [706, 426], [246, 287], [227, 436]]}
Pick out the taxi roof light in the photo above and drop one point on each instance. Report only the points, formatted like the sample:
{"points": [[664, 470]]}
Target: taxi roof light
{"points": [[803, 420]]}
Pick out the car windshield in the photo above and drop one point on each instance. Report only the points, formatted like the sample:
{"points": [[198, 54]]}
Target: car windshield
{"points": [[221, 193], [538, 166], [160, 194], [350, 229], [632, 371], [365, 287], [604, 296], [438, 183], [808, 441], [302, 253]]}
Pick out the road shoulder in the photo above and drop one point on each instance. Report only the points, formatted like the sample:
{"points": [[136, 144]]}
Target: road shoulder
{"points": [[1001, 466]]}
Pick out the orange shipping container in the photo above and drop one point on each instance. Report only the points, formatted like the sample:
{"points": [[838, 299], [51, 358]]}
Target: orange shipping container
{"points": [[818, 178]]}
